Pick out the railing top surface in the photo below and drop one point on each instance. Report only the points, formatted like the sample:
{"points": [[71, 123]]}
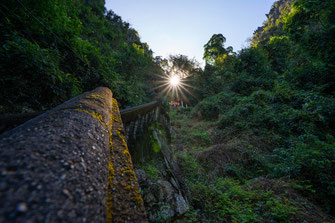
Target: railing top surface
{"points": [[128, 115], [139, 107], [131, 114]]}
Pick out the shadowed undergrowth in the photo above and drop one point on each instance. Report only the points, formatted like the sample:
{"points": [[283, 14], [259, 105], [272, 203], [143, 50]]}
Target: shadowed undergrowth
{"points": [[229, 178]]}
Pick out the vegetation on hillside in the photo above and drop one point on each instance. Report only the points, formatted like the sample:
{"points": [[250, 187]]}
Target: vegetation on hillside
{"points": [[53, 50], [277, 97], [259, 144], [226, 178]]}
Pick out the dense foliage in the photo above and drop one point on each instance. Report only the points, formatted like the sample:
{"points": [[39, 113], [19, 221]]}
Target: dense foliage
{"points": [[270, 108], [226, 178], [52, 50], [282, 88]]}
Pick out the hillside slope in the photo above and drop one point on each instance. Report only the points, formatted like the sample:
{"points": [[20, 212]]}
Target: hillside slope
{"points": [[272, 106], [226, 179]]}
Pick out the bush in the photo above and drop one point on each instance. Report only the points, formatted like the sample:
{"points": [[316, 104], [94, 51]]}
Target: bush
{"points": [[311, 160], [37, 81], [211, 107], [225, 200], [251, 111]]}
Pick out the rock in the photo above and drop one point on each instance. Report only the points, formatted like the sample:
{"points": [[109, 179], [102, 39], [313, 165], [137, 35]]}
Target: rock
{"points": [[166, 190], [166, 211], [165, 198], [181, 204], [162, 214], [174, 183], [141, 176], [149, 198]]}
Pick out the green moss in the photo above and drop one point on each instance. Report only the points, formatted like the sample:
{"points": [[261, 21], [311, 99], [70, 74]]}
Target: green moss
{"points": [[155, 145], [122, 177], [152, 171], [147, 146]]}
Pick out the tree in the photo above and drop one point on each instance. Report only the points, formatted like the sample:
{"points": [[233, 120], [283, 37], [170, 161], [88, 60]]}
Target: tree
{"points": [[182, 65], [215, 50]]}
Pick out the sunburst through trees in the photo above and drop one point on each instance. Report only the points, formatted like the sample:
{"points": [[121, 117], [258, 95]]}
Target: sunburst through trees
{"points": [[175, 84]]}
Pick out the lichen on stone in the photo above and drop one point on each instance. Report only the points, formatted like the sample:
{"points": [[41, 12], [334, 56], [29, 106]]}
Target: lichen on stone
{"points": [[94, 115], [124, 200]]}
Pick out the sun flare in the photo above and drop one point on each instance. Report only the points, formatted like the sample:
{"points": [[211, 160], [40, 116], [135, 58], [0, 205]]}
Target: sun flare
{"points": [[175, 86], [174, 81]]}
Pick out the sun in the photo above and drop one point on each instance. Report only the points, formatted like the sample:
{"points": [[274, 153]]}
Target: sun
{"points": [[174, 85], [174, 81]]}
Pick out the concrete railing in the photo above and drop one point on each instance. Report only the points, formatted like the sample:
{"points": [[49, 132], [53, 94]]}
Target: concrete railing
{"points": [[137, 119], [71, 164]]}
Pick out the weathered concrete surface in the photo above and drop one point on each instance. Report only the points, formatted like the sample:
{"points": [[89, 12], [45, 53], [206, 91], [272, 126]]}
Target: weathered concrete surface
{"points": [[125, 203], [57, 166]]}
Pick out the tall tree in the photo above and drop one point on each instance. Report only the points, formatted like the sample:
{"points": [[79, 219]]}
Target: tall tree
{"points": [[215, 50]]}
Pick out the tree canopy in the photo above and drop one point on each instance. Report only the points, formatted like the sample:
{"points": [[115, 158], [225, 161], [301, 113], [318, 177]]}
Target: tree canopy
{"points": [[53, 50]]}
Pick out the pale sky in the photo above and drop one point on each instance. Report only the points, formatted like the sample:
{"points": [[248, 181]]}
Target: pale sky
{"points": [[185, 26]]}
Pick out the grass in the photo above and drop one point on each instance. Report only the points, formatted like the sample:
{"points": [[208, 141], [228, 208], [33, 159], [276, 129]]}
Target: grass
{"points": [[231, 185], [188, 132]]}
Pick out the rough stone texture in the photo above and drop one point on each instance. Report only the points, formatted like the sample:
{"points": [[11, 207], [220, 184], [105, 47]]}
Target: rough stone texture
{"points": [[177, 178], [57, 166], [163, 200], [125, 203], [59, 174], [164, 197]]}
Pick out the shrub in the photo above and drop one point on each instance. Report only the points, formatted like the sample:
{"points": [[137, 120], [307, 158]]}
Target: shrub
{"points": [[211, 107], [226, 200], [311, 160]]}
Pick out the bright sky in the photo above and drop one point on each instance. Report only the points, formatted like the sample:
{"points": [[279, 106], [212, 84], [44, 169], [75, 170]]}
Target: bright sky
{"points": [[185, 26]]}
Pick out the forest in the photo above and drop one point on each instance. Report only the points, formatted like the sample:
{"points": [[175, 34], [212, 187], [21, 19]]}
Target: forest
{"points": [[257, 143], [62, 48]]}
